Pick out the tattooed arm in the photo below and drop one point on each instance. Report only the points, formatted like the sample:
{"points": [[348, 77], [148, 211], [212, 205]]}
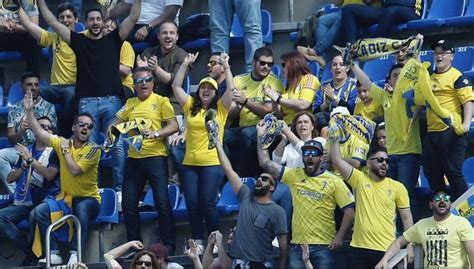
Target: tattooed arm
{"points": [[268, 165]]}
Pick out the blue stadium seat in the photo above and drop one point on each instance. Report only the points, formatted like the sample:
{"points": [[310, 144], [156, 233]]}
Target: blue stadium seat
{"points": [[105, 157], [11, 55], [277, 70], [181, 211], [427, 56], [466, 19], [439, 11], [236, 34], [314, 68], [228, 202], [403, 26], [378, 69], [326, 74], [468, 170], [4, 143], [187, 84], [139, 47], [108, 207], [423, 187], [293, 36], [173, 196], [463, 60]]}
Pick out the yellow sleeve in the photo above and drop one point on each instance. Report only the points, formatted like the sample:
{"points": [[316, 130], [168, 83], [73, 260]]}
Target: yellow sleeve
{"points": [[187, 106], [463, 89], [127, 55], [355, 178], [309, 86], [402, 201], [466, 232], [360, 150], [55, 143], [90, 160], [167, 110], [222, 111], [377, 93], [47, 38], [124, 112], [344, 196], [412, 234]]}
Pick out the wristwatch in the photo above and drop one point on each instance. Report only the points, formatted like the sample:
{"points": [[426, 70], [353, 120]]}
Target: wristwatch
{"points": [[65, 151], [30, 160], [149, 28]]}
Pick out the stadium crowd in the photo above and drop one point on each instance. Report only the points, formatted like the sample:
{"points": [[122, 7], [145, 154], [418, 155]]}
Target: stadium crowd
{"points": [[153, 128]]}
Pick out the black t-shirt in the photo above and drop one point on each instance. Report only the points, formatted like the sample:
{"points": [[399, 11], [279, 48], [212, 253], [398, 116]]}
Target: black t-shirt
{"points": [[98, 62]]}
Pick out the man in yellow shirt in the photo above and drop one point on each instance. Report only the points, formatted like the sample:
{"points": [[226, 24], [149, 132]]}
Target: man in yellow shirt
{"points": [[447, 240], [63, 69], [377, 200], [443, 149], [151, 162], [315, 196], [250, 105], [78, 166]]}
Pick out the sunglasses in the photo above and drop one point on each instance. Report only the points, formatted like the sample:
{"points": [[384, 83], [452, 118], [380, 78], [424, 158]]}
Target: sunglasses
{"points": [[46, 127], [266, 179], [143, 263], [142, 80], [263, 63], [85, 124], [380, 159], [445, 198], [312, 153], [213, 62]]}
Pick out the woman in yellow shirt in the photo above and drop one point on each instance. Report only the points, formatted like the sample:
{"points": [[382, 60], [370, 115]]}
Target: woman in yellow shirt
{"points": [[202, 174]]}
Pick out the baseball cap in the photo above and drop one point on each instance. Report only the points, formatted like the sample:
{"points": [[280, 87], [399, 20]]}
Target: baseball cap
{"points": [[159, 250], [340, 109], [209, 80], [445, 45], [313, 144]]}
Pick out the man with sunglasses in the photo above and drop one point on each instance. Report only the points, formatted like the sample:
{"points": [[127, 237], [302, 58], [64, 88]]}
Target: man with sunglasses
{"points": [[315, 196], [260, 220], [78, 170], [35, 174], [447, 239], [377, 200], [18, 128], [249, 106]]}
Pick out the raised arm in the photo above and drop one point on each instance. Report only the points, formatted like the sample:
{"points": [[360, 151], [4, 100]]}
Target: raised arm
{"points": [[58, 27], [132, 19], [231, 175], [398, 244], [169, 14], [120, 9], [263, 157], [119, 251], [40, 133], [177, 84], [229, 80], [33, 29], [361, 76], [342, 166]]}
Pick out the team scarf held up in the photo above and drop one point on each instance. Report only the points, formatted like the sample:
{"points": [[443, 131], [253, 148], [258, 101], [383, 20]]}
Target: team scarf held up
{"points": [[413, 88], [131, 132], [341, 127]]}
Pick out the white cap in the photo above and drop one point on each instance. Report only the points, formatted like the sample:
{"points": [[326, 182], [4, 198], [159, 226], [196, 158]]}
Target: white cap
{"points": [[340, 109]]}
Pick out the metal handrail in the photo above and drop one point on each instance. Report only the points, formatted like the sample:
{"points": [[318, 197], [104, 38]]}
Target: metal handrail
{"points": [[48, 237], [400, 256]]}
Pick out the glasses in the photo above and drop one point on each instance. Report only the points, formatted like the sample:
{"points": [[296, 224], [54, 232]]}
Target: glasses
{"points": [[312, 153], [143, 263], [444, 53], [263, 63], [445, 198], [266, 179], [380, 159], [213, 62], [142, 80], [46, 127], [85, 124]]}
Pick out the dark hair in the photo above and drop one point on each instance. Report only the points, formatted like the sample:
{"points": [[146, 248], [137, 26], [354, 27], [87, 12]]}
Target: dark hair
{"points": [[83, 114], [395, 66], [27, 75], [321, 120], [113, 20], [92, 10], [155, 264], [444, 190], [375, 139], [296, 65], [375, 149], [263, 51], [142, 69], [171, 22], [295, 119], [53, 128], [66, 6], [197, 104]]}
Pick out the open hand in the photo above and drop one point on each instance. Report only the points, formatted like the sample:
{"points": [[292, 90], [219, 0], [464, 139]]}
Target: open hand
{"points": [[28, 101], [190, 58]]}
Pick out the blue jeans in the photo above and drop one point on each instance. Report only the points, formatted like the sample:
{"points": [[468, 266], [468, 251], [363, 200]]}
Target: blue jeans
{"points": [[243, 141], [150, 38], [177, 154], [85, 209], [8, 157], [201, 188], [155, 170], [220, 23], [63, 95], [320, 256], [9, 217], [327, 32], [103, 110]]}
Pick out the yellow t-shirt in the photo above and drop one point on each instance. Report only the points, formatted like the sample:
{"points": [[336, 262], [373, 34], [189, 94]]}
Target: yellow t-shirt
{"points": [[87, 158], [63, 71], [394, 119], [127, 58], [253, 91], [353, 148], [197, 139], [155, 108], [305, 90], [452, 89], [376, 210], [370, 111], [314, 201], [442, 241]]}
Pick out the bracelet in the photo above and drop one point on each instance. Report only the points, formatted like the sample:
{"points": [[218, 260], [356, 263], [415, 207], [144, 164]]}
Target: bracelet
{"points": [[278, 99], [65, 151], [245, 102]]}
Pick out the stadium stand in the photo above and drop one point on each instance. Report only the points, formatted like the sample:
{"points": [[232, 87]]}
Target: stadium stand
{"points": [[437, 14], [228, 202]]}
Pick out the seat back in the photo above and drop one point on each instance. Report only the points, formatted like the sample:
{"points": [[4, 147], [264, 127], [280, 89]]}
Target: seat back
{"points": [[326, 74], [463, 59], [378, 69], [267, 35], [15, 93], [446, 9], [470, 9], [468, 170], [314, 68], [228, 201], [276, 70], [427, 56], [173, 196], [108, 206]]}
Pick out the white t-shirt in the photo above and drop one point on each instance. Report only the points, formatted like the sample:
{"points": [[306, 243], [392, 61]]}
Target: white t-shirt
{"points": [[173, 265], [151, 9]]}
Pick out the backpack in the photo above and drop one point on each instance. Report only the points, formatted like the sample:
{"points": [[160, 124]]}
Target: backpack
{"points": [[305, 36], [195, 27]]}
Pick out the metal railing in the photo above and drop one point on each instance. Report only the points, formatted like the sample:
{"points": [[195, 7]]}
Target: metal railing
{"points": [[78, 237]]}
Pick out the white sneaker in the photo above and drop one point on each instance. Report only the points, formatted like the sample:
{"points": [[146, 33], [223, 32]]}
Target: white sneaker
{"points": [[72, 259], [119, 201], [55, 260]]}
